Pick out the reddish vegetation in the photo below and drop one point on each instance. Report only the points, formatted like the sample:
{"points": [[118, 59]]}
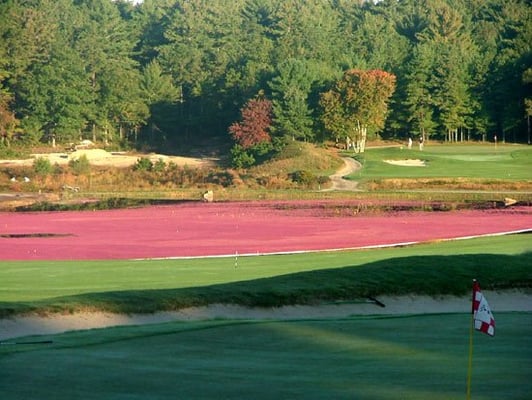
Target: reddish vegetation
{"points": [[256, 121], [209, 229]]}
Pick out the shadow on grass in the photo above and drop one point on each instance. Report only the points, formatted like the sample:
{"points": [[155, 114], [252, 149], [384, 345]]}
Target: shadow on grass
{"points": [[423, 275]]}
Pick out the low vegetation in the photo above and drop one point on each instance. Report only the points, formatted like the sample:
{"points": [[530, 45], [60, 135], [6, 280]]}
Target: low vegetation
{"points": [[458, 174]]}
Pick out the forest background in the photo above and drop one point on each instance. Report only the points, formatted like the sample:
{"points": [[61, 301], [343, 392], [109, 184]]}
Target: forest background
{"points": [[169, 74]]}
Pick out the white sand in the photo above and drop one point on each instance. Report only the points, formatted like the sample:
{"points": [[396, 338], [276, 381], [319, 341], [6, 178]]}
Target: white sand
{"points": [[407, 163], [100, 157], [57, 323]]}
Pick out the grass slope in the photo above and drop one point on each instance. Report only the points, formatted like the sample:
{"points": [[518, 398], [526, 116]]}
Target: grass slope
{"points": [[148, 286]]}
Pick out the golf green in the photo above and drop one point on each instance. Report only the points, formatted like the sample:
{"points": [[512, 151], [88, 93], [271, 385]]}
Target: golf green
{"points": [[417, 357]]}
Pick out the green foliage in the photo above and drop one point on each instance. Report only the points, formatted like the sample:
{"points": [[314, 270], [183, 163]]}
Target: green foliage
{"points": [[291, 90], [245, 158], [305, 178], [166, 72], [357, 105], [159, 166], [143, 164], [241, 158], [42, 166], [80, 165]]}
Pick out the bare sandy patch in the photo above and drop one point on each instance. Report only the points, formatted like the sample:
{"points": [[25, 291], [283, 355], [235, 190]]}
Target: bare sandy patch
{"points": [[407, 163], [507, 301], [100, 157]]}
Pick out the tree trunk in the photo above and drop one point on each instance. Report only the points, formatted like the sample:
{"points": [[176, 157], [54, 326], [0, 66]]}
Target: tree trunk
{"points": [[363, 137]]}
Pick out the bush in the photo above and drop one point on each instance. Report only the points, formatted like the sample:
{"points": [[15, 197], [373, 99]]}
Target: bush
{"points": [[80, 165], [241, 158], [143, 164], [245, 158], [222, 178], [305, 178], [42, 166], [159, 166]]}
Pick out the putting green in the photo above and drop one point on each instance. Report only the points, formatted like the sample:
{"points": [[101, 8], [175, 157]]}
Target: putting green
{"points": [[371, 358]]}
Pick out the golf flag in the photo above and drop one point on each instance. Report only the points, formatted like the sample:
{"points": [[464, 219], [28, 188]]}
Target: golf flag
{"points": [[482, 316]]}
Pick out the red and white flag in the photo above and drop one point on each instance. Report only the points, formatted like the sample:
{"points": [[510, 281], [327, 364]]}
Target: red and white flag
{"points": [[482, 316]]}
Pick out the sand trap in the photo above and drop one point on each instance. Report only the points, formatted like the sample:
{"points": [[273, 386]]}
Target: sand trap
{"points": [[404, 305], [407, 163], [100, 157]]}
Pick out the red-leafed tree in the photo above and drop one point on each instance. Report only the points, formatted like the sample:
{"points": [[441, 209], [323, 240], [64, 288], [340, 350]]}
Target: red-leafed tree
{"points": [[255, 125], [357, 104]]}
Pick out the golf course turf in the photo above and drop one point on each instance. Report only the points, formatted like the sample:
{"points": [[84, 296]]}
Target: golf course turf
{"points": [[414, 357]]}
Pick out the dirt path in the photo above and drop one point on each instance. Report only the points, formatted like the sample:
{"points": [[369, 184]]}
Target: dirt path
{"points": [[338, 180]]}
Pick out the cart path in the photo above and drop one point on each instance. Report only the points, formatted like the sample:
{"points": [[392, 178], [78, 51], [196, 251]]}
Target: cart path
{"points": [[337, 179]]}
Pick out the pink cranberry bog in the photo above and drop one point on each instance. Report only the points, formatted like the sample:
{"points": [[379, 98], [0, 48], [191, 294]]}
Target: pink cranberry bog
{"points": [[244, 228]]}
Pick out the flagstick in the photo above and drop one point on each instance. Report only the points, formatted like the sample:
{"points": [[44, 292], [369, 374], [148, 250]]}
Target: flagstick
{"points": [[471, 332], [470, 364]]}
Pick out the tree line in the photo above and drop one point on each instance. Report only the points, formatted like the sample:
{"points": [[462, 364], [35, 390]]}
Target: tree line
{"points": [[173, 72]]}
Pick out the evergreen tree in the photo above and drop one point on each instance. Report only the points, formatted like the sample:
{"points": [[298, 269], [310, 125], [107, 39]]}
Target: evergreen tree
{"points": [[290, 91]]}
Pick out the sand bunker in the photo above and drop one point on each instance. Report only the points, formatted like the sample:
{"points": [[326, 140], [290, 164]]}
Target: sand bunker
{"points": [[404, 305], [407, 163]]}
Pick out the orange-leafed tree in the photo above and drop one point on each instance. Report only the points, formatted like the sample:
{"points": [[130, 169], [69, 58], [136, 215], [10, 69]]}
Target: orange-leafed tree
{"points": [[8, 121], [255, 125], [357, 105]]}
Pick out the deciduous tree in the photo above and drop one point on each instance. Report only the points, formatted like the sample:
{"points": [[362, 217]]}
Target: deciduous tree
{"points": [[255, 125], [358, 104]]}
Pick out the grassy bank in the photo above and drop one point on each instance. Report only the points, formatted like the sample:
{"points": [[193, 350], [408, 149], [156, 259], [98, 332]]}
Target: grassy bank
{"points": [[148, 286]]}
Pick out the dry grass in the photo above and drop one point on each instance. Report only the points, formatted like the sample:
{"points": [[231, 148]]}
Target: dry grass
{"points": [[448, 184], [300, 156]]}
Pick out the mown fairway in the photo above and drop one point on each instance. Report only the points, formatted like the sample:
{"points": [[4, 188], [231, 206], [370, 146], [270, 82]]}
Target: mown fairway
{"points": [[508, 162], [389, 358], [148, 286]]}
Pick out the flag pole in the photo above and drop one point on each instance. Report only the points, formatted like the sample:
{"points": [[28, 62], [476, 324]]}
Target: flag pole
{"points": [[470, 363], [471, 331]]}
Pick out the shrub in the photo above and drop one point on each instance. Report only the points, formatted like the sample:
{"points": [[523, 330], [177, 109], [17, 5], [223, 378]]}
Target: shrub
{"points": [[143, 164], [241, 158], [222, 178], [305, 178], [159, 166], [42, 166], [80, 165]]}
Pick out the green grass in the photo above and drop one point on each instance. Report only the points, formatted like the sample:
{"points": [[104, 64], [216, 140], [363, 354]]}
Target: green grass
{"points": [[370, 358], [507, 162], [148, 286]]}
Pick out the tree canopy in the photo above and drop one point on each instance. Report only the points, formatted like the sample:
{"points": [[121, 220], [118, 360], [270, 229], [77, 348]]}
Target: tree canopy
{"points": [[170, 72], [357, 105]]}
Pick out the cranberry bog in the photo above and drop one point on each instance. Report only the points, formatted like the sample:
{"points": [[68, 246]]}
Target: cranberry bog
{"points": [[195, 229]]}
